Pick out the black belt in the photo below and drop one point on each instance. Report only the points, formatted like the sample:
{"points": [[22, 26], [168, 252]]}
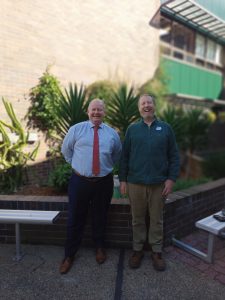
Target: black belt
{"points": [[92, 179]]}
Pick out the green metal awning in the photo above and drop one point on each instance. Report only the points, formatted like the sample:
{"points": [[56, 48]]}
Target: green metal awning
{"points": [[194, 15]]}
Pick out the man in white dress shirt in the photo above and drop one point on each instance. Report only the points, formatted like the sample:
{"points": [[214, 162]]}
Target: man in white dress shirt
{"points": [[89, 187]]}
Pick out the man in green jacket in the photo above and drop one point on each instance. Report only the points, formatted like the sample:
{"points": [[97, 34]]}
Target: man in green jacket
{"points": [[149, 167]]}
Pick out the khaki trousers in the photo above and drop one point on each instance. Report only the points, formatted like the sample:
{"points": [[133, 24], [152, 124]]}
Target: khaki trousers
{"points": [[145, 198]]}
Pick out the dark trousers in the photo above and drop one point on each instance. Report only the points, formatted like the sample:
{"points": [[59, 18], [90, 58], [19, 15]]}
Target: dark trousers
{"points": [[84, 194]]}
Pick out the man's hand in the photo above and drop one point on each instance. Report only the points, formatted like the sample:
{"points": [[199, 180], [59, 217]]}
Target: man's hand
{"points": [[123, 188], [168, 187]]}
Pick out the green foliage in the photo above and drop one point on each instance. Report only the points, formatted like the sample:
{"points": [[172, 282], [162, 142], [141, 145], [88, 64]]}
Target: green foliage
{"points": [[122, 110], [214, 165], [102, 89], [44, 98], [190, 128], [59, 177], [182, 184], [71, 109], [13, 157]]}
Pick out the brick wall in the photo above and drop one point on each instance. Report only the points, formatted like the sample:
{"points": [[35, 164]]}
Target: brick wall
{"points": [[182, 209]]}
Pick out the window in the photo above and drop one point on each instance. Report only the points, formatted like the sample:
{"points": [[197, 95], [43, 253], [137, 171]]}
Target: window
{"points": [[183, 43], [218, 55], [211, 50], [208, 50], [200, 46]]}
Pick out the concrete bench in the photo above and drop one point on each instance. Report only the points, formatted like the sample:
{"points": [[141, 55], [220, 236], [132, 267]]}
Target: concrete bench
{"points": [[214, 228], [18, 217]]}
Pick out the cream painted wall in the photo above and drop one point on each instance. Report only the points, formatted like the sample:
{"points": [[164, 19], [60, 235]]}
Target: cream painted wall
{"points": [[84, 40]]}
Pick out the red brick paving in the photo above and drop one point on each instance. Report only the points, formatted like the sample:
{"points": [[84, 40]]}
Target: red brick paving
{"points": [[199, 239]]}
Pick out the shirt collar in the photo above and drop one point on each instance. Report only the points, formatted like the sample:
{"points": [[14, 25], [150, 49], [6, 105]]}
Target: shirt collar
{"points": [[93, 125], [154, 120]]}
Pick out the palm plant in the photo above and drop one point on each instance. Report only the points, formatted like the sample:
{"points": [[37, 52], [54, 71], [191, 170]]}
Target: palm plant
{"points": [[122, 109]]}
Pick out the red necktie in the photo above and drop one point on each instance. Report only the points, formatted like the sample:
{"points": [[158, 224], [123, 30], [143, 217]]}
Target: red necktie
{"points": [[96, 164]]}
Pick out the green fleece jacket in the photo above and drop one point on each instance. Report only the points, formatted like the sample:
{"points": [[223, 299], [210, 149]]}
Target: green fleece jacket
{"points": [[149, 154]]}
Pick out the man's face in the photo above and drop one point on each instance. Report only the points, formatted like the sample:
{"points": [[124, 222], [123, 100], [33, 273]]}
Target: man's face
{"points": [[146, 108], [96, 112]]}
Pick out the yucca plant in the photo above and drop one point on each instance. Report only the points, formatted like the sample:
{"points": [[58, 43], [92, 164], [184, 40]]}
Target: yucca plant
{"points": [[71, 109], [13, 157], [122, 109]]}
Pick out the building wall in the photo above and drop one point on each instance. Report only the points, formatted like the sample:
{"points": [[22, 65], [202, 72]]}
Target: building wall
{"points": [[83, 40]]}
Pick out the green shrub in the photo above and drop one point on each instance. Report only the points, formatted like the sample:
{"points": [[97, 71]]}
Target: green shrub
{"points": [[44, 98], [59, 177], [182, 184], [102, 89], [214, 165]]}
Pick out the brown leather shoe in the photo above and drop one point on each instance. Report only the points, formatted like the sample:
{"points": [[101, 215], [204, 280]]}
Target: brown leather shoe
{"points": [[66, 265], [135, 259], [100, 255], [158, 262]]}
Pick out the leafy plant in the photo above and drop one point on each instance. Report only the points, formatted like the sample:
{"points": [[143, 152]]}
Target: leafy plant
{"points": [[122, 110], [44, 98], [13, 157], [59, 177]]}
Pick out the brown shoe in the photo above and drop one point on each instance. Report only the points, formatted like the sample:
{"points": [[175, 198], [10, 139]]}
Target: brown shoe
{"points": [[135, 259], [158, 262], [66, 265], [100, 255]]}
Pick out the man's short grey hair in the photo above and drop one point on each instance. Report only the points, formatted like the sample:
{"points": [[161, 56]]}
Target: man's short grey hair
{"points": [[148, 96], [99, 101]]}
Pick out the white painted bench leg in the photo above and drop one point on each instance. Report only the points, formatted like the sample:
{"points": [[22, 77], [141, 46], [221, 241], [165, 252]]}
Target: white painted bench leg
{"points": [[210, 247], [18, 250], [208, 257]]}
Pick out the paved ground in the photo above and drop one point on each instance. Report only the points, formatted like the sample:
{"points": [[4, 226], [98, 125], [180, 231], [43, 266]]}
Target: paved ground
{"points": [[216, 270], [36, 276]]}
